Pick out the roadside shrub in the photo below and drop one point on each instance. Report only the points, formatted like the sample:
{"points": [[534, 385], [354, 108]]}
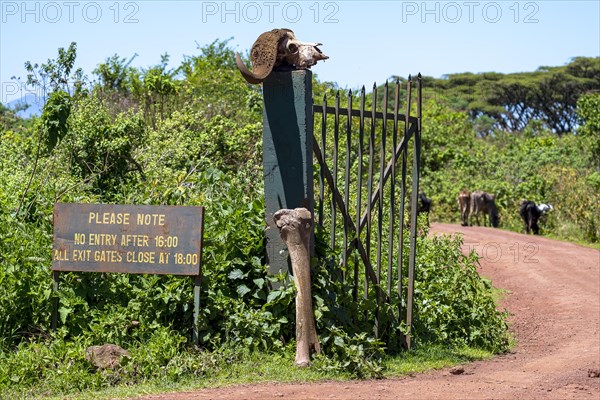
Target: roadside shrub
{"points": [[51, 365], [100, 148], [25, 280], [358, 355], [453, 304]]}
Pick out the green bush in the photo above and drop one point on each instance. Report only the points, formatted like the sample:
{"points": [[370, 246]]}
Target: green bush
{"points": [[25, 279], [534, 164], [453, 304]]}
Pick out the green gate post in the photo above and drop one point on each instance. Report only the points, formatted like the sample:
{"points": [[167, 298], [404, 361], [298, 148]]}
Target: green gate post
{"points": [[287, 155]]}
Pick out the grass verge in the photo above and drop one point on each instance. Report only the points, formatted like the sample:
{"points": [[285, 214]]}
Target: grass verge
{"points": [[254, 368]]}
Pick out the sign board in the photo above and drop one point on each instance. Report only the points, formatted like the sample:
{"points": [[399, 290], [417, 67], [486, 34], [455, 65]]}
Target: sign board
{"points": [[135, 239]]}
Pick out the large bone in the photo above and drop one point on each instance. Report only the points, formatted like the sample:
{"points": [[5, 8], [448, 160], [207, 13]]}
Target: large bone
{"points": [[295, 229]]}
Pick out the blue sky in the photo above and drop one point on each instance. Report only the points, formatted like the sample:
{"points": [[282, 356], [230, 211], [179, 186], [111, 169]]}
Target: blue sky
{"points": [[366, 41]]}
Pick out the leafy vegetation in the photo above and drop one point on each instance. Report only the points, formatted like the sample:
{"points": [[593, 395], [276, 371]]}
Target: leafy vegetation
{"points": [[533, 164], [520, 136], [511, 101], [192, 136]]}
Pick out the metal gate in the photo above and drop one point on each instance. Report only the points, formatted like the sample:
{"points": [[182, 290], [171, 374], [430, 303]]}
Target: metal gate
{"points": [[366, 215]]}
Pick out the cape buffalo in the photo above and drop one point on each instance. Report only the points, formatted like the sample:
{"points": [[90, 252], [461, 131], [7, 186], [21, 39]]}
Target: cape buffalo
{"points": [[424, 203], [531, 213], [484, 202], [464, 205]]}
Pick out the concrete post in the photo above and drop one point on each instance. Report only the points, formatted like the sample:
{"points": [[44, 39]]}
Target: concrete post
{"points": [[287, 155]]}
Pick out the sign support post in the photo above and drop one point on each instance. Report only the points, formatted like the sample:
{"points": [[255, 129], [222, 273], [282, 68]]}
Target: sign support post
{"points": [[197, 282], [55, 278]]}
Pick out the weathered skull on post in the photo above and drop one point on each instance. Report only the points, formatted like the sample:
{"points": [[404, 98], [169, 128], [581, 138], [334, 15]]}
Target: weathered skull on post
{"points": [[275, 49]]}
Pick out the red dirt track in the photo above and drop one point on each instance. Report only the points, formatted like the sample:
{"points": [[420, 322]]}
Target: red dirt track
{"points": [[553, 296]]}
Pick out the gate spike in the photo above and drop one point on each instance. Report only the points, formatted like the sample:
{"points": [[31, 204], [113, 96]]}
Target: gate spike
{"points": [[385, 98]]}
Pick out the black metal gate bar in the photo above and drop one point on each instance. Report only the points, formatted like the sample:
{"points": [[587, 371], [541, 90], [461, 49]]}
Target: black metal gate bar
{"points": [[413, 227], [393, 192], [401, 311], [336, 143], [370, 206], [392, 205], [370, 179], [356, 113], [407, 128], [321, 172], [347, 177], [361, 137], [380, 187]]}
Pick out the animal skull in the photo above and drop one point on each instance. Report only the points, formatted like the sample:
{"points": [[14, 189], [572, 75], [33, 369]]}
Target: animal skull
{"points": [[301, 55], [275, 49]]}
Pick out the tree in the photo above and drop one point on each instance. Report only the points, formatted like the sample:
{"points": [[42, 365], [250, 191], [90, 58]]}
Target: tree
{"points": [[116, 74], [512, 101], [57, 74], [588, 111], [54, 77], [54, 118]]}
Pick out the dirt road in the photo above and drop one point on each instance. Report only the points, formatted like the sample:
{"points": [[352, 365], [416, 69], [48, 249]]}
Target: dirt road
{"points": [[554, 301]]}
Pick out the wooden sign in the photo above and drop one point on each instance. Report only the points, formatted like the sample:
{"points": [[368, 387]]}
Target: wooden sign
{"points": [[128, 238]]}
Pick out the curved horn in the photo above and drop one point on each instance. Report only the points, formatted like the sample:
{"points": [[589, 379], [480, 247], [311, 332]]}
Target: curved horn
{"points": [[263, 55], [246, 73]]}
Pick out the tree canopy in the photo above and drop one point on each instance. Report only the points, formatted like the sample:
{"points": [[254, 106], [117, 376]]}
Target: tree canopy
{"points": [[511, 101]]}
